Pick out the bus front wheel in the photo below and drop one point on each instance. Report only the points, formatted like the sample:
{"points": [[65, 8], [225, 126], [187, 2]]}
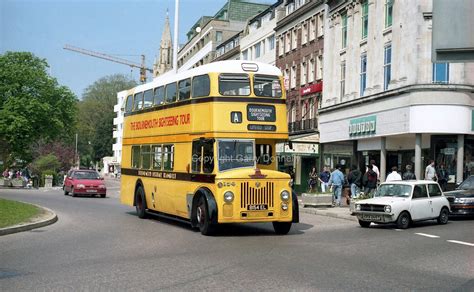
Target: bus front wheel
{"points": [[202, 217], [282, 228], [140, 202]]}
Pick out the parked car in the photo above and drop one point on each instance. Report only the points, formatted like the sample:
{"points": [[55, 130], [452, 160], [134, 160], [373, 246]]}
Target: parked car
{"points": [[404, 202], [462, 198], [84, 182]]}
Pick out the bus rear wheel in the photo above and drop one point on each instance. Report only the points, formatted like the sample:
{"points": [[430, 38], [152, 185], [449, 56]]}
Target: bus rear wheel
{"points": [[202, 217], [140, 203], [282, 228]]}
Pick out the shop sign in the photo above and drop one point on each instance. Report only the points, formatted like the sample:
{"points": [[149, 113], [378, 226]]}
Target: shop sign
{"points": [[318, 87], [363, 126]]}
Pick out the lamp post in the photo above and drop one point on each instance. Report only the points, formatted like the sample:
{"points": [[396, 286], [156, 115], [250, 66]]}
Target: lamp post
{"points": [[75, 153]]}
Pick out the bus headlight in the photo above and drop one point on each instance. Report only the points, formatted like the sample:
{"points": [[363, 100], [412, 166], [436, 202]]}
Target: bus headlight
{"points": [[228, 196], [284, 206], [285, 196], [387, 209]]}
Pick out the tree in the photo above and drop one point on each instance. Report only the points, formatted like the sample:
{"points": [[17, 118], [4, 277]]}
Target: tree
{"points": [[96, 115], [33, 106]]}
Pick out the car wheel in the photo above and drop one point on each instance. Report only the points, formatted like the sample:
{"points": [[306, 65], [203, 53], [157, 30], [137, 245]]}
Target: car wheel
{"points": [[403, 221], [65, 191], [364, 224], [202, 217], [281, 228], [102, 196], [72, 192], [140, 203], [443, 216]]}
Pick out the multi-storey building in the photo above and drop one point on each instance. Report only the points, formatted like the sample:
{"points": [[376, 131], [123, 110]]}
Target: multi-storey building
{"points": [[384, 98], [209, 32], [299, 54], [229, 50]]}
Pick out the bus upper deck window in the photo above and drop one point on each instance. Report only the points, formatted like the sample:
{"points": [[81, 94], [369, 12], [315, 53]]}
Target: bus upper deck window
{"points": [[159, 95], [267, 86], [170, 90], [234, 84], [184, 89], [201, 86], [148, 98], [138, 101], [129, 104]]}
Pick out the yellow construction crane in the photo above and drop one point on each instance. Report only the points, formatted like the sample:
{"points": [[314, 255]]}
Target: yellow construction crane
{"points": [[141, 66]]}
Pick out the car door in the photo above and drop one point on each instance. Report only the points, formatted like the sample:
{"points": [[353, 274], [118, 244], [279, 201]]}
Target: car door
{"points": [[420, 203], [67, 181], [436, 198]]}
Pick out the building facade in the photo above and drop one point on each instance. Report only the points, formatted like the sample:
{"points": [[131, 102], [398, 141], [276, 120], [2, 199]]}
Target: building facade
{"points": [[384, 99], [299, 54]]}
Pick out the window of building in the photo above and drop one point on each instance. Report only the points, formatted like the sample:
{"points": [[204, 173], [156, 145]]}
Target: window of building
{"points": [[320, 67], [441, 72], [245, 55], [129, 104], [271, 42], [304, 33], [294, 37], [344, 30], [288, 42], [312, 113], [363, 74], [156, 154], [171, 91], [388, 13], [281, 46], [257, 50], [264, 154], [293, 112], [320, 24], [201, 86], [184, 89], [168, 157], [138, 101], [303, 73], [293, 77], [135, 156], [311, 69], [312, 28], [234, 84], [343, 79], [218, 36], [290, 8], [159, 95], [365, 18], [148, 98], [387, 66], [145, 157]]}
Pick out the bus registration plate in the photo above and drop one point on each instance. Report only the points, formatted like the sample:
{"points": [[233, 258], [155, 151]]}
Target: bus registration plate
{"points": [[257, 207]]}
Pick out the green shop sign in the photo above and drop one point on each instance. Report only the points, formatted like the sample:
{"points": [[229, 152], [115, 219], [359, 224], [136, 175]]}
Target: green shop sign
{"points": [[363, 126]]}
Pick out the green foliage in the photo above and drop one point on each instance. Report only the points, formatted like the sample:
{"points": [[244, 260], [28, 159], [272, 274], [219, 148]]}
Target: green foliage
{"points": [[33, 106], [96, 115], [45, 163], [13, 213]]}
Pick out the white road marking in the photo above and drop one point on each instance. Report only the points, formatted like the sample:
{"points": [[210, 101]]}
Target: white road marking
{"points": [[427, 235], [398, 229], [461, 242]]}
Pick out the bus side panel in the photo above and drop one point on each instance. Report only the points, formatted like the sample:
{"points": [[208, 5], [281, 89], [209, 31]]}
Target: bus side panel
{"points": [[127, 184]]}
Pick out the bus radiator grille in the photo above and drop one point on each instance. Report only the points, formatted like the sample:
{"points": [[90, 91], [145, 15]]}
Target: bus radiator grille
{"points": [[256, 196]]}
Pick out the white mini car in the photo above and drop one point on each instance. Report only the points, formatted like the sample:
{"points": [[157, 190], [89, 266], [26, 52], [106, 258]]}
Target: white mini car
{"points": [[403, 202]]}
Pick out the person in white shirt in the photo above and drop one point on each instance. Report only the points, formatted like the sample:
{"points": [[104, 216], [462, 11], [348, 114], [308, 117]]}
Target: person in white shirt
{"points": [[430, 171], [374, 168], [394, 175]]}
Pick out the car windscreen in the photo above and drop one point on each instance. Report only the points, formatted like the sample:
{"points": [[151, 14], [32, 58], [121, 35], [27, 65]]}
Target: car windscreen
{"points": [[86, 175], [468, 184], [394, 190]]}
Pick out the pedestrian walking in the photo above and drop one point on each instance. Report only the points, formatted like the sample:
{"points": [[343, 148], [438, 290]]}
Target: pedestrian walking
{"points": [[430, 171], [443, 177], [336, 182], [313, 179], [323, 178], [354, 178], [394, 175], [374, 168], [408, 174], [370, 180]]}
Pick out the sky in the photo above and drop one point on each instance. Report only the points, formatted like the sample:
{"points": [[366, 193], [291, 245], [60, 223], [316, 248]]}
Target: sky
{"points": [[122, 28]]}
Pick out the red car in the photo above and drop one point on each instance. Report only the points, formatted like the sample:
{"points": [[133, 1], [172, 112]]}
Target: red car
{"points": [[84, 182]]}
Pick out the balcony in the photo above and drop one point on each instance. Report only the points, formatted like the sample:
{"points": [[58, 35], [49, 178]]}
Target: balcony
{"points": [[303, 126]]}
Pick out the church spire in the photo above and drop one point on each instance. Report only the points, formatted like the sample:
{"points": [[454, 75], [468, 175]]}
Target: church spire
{"points": [[164, 60]]}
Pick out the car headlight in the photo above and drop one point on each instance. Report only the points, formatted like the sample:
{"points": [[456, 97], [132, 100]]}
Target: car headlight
{"points": [[388, 209], [228, 196], [357, 207], [459, 200], [285, 196], [80, 186], [101, 186]]}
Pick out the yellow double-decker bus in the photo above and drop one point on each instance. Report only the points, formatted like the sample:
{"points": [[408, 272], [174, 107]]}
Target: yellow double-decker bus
{"points": [[200, 146]]}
